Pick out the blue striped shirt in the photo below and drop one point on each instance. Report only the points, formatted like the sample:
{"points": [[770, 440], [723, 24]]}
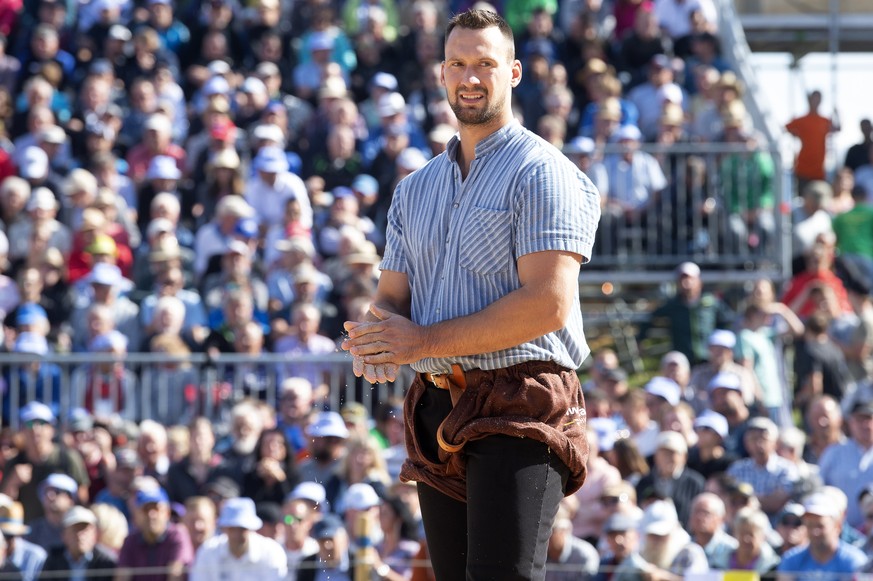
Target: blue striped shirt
{"points": [[458, 240]]}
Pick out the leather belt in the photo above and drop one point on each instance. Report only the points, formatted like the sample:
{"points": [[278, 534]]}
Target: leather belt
{"points": [[447, 381], [455, 383]]}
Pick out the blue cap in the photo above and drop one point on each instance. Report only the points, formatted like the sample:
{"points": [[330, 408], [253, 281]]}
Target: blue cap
{"points": [[155, 495], [342, 192], [246, 227], [366, 184], [30, 313], [271, 159], [327, 527]]}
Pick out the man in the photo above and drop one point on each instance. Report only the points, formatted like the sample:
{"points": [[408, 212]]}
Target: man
{"points": [[333, 560], [569, 557], [708, 456], [846, 465], [726, 395], [670, 477], [623, 560], [513, 242], [80, 556], [40, 457], [328, 434], [669, 552], [58, 495], [826, 557], [691, 315], [157, 544], [772, 476], [239, 552], [812, 130], [27, 556], [859, 154], [300, 514], [707, 528]]}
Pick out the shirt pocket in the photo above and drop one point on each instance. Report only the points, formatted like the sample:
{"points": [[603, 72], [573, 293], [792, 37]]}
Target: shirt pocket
{"points": [[486, 242]]}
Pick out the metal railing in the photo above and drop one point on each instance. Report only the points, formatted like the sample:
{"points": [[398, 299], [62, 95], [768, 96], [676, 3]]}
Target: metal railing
{"points": [[173, 390], [709, 213]]}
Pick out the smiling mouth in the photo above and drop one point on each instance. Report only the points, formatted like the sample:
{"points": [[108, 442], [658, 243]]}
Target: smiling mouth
{"points": [[471, 97]]}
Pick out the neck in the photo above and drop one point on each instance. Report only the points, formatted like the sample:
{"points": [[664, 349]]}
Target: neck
{"points": [[240, 549], [37, 451], [703, 539], [471, 136], [745, 555], [823, 553]]}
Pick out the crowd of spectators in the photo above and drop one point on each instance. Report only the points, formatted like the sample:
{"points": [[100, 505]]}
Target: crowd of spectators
{"points": [[214, 177]]}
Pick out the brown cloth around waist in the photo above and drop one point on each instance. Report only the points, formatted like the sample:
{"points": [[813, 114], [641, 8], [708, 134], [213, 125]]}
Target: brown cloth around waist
{"points": [[536, 399]]}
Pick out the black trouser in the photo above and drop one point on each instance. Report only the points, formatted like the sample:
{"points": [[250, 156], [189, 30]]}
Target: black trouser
{"points": [[514, 486]]}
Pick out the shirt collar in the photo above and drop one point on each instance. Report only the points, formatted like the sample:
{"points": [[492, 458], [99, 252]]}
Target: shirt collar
{"points": [[488, 144]]}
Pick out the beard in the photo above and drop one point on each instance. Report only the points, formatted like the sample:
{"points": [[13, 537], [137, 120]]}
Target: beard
{"points": [[479, 116]]}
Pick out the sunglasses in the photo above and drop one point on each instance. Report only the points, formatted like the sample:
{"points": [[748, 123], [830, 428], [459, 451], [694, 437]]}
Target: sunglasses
{"points": [[290, 519], [791, 522], [32, 423]]}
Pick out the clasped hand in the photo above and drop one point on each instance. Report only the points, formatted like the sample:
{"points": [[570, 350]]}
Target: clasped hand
{"points": [[380, 347]]}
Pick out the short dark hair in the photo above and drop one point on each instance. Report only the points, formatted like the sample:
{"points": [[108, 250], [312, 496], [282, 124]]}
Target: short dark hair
{"points": [[475, 19]]}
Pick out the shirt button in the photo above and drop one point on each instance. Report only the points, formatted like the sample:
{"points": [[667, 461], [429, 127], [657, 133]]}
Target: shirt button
{"points": [[455, 205]]}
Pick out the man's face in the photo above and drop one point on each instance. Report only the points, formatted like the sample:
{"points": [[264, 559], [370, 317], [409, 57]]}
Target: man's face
{"points": [[298, 521], [200, 523], [760, 444], [478, 74], [57, 501], [668, 462], [824, 531], [155, 518], [792, 530], [861, 428], [622, 543], [39, 431], [80, 539], [237, 537], [704, 518]]}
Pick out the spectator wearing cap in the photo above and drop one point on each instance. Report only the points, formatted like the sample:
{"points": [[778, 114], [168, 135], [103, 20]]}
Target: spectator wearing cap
{"points": [[587, 523], [622, 560], [772, 477], [843, 464], [119, 481], [271, 515], [569, 556], [42, 211], [708, 456], [670, 476], [80, 554], [156, 141], [106, 388], [720, 345], [691, 315], [107, 285], [334, 559], [239, 551], [328, 434], [163, 176], [647, 96], [662, 395], [825, 554], [299, 516], [57, 493], [40, 458], [156, 543], [393, 117], [212, 238], [381, 83], [789, 525], [668, 549], [28, 557], [271, 187], [581, 151], [31, 378]]}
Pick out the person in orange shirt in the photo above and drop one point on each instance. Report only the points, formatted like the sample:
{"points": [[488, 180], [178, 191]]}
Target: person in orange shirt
{"points": [[812, 130]]}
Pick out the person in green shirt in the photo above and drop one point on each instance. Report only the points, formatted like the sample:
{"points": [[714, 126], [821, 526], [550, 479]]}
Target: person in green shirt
{"points": [[854, 231]]}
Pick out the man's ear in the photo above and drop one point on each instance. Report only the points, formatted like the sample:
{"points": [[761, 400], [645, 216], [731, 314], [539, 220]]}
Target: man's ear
{"points": [[515, 79]]}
